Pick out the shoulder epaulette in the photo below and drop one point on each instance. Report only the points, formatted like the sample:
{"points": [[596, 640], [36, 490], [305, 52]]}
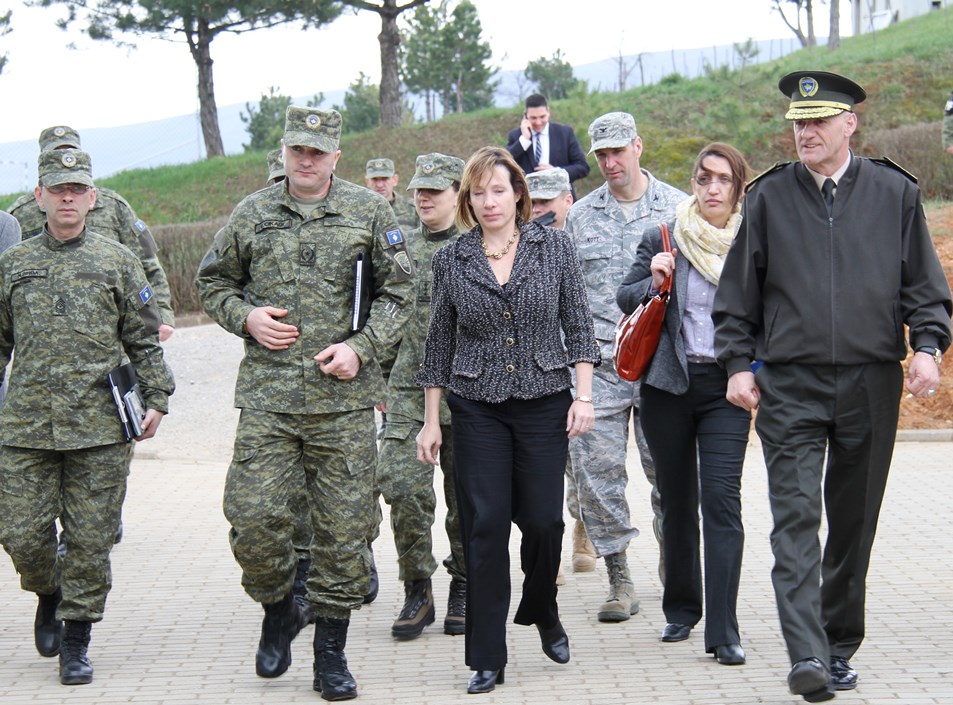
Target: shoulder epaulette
{"points": [[777, 166], [893, 165]]}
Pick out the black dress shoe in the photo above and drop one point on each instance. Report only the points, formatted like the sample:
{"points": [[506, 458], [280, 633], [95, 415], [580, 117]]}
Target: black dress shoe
{"points": [[730, 655], [676, 632], [843, 675], [811, 679], [555, 642], [484, 681]]}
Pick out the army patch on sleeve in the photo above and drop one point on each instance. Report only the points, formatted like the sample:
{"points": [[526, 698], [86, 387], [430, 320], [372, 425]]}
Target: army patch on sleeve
{"points": [[394, 237], [140, 226], [403, 261], [145, 294]]}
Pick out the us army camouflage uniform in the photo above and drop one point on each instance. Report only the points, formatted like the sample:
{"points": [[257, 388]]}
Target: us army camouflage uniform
{"points": [[606, 242], [294, 416], [70, 311], [406, 483], [114, 218]]}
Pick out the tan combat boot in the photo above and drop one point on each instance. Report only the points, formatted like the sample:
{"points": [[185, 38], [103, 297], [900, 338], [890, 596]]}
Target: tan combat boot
{"points": [[621, 602], [583, 554]]}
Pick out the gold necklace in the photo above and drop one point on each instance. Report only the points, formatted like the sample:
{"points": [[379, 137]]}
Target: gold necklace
{"points": [[499, 255]]}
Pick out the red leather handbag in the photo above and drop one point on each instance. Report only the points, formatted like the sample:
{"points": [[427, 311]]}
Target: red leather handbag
{"points": [[637, 333]]}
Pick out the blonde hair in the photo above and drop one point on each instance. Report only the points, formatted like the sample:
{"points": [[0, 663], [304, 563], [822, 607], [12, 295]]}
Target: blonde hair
{"points": [[483, 161]]}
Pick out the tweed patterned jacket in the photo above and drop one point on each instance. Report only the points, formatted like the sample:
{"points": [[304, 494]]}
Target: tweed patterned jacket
{"points": [[490, 343]]}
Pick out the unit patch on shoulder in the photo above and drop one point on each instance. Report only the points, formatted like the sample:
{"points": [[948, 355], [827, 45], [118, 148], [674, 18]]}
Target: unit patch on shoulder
{"points": [[140, 226], [394, 237], [145, 294]]}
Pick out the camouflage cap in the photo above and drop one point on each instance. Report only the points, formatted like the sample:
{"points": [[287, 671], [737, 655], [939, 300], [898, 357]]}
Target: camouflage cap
{"points": [[65, 166], [59, 136], [612, 130], [311, 127], [819, 94], [379, 167], [276, 167], [436, 171], [547, 184]]}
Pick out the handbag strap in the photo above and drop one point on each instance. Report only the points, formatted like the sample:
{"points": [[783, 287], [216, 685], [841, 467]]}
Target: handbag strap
{"points": [[667, 247]]}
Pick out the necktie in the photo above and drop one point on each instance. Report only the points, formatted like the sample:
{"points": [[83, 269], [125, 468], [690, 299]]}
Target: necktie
{"points": [[827, 190], [538, 148]]}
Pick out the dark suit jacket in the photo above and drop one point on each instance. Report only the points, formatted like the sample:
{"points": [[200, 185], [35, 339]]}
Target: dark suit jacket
{"points": [[487, 343], [564, 151]]}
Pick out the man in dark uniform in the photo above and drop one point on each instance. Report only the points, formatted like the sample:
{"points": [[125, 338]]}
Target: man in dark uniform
{"points": [[832, 259]]}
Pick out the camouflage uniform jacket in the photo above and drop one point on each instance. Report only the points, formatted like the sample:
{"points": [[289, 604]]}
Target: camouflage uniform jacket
{"points": [[404, 397], [406, 213], [269, 254], [72, 311], [114, 218], [606, 242]]}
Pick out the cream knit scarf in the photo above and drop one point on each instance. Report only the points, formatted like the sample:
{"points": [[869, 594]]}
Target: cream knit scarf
{"points": [[704, 245]]}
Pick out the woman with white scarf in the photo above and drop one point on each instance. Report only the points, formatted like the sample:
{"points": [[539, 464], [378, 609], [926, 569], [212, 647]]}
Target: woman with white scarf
{"points": [[696, 436]]}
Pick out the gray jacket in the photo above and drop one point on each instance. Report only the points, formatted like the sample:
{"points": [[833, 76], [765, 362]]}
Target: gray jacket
{"points": [[489, 343], [668, 369]]}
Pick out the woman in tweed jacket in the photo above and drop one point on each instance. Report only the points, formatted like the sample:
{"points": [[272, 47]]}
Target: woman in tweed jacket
{"points": [[509, 317]]}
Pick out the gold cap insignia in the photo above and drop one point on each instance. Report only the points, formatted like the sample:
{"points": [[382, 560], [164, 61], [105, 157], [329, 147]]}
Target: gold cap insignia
{"points": [[807, 86], [427, 168], [69, 160], [313, 121]]}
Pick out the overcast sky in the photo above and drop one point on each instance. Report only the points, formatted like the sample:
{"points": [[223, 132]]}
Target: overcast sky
{"points": [[101, 85]]}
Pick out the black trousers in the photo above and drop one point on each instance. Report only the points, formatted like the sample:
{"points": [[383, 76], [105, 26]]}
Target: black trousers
{"points": [[698, 441], [509, 459], [849, 413]]}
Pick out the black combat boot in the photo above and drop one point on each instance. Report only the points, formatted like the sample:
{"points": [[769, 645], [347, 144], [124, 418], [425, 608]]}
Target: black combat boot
{"points": [[456, 620], [283, 620], [331, 677], [47, 629], [418, 610], [300, 588], [75, 668]]}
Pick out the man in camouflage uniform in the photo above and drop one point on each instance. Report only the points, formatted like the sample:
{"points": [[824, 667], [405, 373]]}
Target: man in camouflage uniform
{"points": [[281, 274], [607, 226], [380, 175], [111, 217], [276, 167], [73, 306], [551, 193], [406, 483]]}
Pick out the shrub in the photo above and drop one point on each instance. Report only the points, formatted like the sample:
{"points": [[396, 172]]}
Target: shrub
{"points": [[181, 248], [918, 149]]}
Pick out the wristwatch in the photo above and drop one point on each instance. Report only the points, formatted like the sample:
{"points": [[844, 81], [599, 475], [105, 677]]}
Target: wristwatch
{"points": [[932, 352]]}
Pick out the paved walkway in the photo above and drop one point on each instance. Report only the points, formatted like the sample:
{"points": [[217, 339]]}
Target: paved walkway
{"points": [[179, 629]]}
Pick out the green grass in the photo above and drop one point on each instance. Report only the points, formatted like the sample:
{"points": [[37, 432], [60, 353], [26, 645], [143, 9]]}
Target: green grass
{"points": [[904, 68]]}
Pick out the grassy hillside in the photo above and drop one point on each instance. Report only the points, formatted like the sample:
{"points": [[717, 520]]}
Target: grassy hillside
{"points": [[904, 68]]}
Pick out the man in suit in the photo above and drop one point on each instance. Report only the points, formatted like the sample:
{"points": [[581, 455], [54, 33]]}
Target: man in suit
{"points": [[538, 144]]}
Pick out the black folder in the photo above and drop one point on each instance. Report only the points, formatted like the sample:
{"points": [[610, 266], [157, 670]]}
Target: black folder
{"points": [[129, 403]]}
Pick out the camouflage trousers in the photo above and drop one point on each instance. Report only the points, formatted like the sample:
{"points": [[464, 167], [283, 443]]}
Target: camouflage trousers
{"points": [[599, 476], [85, 489], [334, 456], [407, 486]]}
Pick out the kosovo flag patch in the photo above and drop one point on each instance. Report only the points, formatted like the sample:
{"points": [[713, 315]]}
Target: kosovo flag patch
{"points": [[394, 237], [145, 295]]}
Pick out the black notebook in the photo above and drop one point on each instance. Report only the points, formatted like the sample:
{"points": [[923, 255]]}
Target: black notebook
{"points": [[129, 404]]}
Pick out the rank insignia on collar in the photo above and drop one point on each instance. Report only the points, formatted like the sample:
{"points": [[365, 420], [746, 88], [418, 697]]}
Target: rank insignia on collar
{"points": [[807, 86], [394, 237]]}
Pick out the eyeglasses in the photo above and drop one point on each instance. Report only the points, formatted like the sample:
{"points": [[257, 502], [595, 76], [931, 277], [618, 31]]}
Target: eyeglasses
{"points": [[78, 189], [706, 179]]}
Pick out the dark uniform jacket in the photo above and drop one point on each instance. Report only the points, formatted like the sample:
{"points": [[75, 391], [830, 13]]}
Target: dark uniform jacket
{"points": [[801, 287], [489, 343]]}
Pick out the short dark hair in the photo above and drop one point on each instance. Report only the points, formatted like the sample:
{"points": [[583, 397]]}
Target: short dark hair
{"points": [[537, 100]]}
